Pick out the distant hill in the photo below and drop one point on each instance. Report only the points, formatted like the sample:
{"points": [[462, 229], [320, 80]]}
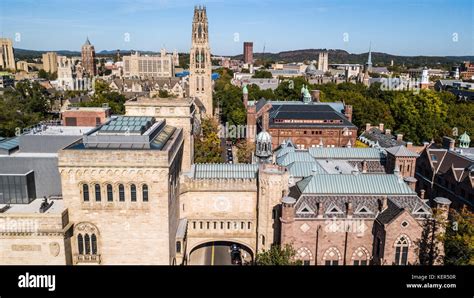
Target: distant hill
{"points": [[335, 56], [380, 59]]}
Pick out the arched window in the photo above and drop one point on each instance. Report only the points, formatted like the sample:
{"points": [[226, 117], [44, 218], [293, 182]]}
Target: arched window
{"points": [[97, 192], [401, 250], [133, 193], [85, 192], [360, 257], [87, 244], [145, 194], [121, 193], [80, 244], [332, 257], [305, 255], [178, 246], [94, 244], [110, 193]]}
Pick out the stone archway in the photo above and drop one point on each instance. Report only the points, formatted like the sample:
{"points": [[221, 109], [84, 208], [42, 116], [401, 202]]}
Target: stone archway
{"points": [[217, 253]]}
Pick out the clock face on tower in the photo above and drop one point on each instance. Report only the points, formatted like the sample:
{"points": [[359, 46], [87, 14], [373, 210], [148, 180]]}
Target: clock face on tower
{"points": [[199, 58]]}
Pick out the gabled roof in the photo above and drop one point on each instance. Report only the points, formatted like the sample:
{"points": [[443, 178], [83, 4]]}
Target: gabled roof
{"points": [[401, 151]]}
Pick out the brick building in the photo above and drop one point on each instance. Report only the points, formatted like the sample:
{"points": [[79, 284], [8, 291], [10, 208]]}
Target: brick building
{"points": [[85, 116], [307, 123], [448, 171], [88, 58]]}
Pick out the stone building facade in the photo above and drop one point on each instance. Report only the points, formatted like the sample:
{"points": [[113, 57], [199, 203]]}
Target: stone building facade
{"points": [[121, 191], [88, 58]]}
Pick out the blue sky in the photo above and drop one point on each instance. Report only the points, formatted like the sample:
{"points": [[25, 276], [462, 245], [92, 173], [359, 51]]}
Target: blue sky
{"points": [[401, 27]]}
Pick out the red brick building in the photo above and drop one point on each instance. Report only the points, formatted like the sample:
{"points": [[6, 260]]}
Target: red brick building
{"points": [[248, 52], [85, 116], [307, 124]]}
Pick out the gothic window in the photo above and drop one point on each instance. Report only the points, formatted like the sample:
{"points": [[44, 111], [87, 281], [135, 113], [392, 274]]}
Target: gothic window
{"points": [[178, 246], [97, 192], [94, 244], [85, 192], [133, 193], [332, 257], [401, 250], [360, 257], [80, 244], [197, 83], [87, 242], [121, 193], [305, 255], [110, 193], [145, 193]]}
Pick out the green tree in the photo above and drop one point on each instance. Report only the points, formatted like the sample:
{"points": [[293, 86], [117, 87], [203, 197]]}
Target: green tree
{"points": [[278, 255], [459, 239], [103, 95], [207, 147], [244, 151], [262, 74]]}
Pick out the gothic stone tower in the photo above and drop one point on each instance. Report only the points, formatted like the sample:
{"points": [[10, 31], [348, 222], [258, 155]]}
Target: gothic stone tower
{"points": [[88, 58], [200, 84]]}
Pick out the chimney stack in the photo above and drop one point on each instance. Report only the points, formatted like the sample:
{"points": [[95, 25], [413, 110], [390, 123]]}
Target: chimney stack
{"points": [[399, 137], [422, 194], [388, 131], [365, 166], [348, 112], [381, 127], [449, 143], [315, 95], [383, 204], [349, 209], [409, 145], [367, 126]]}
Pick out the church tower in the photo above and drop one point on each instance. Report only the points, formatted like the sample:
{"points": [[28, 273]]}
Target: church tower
{"points": [[200, 83]]}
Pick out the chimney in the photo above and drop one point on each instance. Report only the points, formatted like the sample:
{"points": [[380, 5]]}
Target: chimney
{"points": [[316, 95], [399, 137], [320, 210], [422, 194], [409, 145], [349, 209], [348, 112], [367, 126], [448, 143], [388, 131], [411, 182], [383, 204], [381, 126], [365, 166]]}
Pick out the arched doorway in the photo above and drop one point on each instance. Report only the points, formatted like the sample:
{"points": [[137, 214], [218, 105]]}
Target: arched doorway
{"points": [[215, 253]]}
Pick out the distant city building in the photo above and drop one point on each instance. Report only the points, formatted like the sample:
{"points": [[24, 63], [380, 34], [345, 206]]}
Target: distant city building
{"points": [[131, 87], [50, 62], [22, 66], [88, 58], [263, 84], [145, 66], [71, 75], [248, 52], [7, 58], [6, 80], [323, 61], [200, 67], [467, 71]]}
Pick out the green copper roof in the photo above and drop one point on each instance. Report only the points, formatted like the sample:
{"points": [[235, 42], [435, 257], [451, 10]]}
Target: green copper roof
{"points": [[373, 184], [465, 138], [245, 90], [305, 169], [291, 157], [225, 171], [345, 153]]}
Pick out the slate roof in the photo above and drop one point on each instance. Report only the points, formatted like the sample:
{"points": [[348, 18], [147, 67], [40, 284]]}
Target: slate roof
{"points": [[371, 204], [305, 169], [401, 151], [224, 171], [376, 136]]}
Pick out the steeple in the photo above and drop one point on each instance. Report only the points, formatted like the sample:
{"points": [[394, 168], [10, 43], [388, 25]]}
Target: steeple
{"points": [[369, 60], [87, 43], [200, 67]]}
